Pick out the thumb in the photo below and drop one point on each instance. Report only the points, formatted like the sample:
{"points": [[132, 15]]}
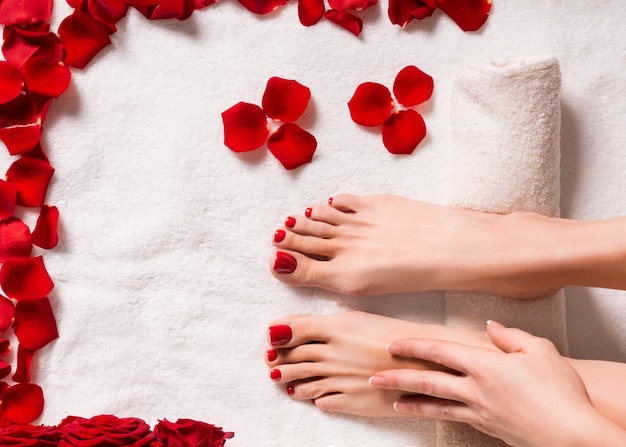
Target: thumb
{"points": [[508, 339]]}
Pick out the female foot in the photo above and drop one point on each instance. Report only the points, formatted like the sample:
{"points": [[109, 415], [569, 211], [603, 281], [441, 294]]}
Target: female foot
{"points": [[387, 244], [329, 359]]}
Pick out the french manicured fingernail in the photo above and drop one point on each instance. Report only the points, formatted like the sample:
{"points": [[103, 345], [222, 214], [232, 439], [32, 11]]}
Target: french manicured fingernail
{"points": [[291, 390], [271, 355], [279, 236], [378, 382], [394, 348], [275, 374], [494, 324], [330, 201], [280, 335], [285, 263], [402, 406], [290, 222], [308, 212]]}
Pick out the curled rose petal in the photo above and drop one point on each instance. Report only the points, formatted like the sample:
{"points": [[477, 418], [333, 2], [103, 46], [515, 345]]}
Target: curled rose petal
{"points": [[108, 12], [25, 278], [22, 403], [200, 4], [5, 347], [82, 38], [45, 232], [354, 5], [45, 76], [470, 15], [24, 360], [22, 44], [310, 11], [403, 131], [292, 145], [31, 178], [6, 314], [8, 196], [15, 239], [345, 20], [412, 86], [285, 99], [20, 124], [5, 369], [262, 6], [34, 323], [401, 12], [10, 82], [371, 104], [21, 12], [245, 127], [169, 9]]}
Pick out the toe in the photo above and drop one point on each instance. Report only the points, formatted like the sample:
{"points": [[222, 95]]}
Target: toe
{"points": [[311, 227], [298, 330], [347, 202], [297, 269]]}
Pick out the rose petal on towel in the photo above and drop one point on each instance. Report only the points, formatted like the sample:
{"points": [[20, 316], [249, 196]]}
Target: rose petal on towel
{"points": [[345, 20], [46, 77], [292, 145], [470, 15], [5, 369], [22, 44], [15, 239], [371, 104], [20, 124], [401, 12], [245, 127], [310, 11], [22, 403], [25, 278], [354, 5], [285, 99], [24, 361], [20, 12], [5, 347], [403, 131], [169, 9], [6, 318], [45, 233], [188, 432], [10, 82], [200, 4], [107, 11], [262, 6], [34, 323], [412, 86], [31, 178], [82, 38], [8, 196]]}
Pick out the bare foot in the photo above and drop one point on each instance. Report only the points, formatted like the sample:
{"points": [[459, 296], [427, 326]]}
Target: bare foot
{"points": [[387, 244], [329, 359]]}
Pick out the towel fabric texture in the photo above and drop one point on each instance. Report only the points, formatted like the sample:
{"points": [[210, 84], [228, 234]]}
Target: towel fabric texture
{"points": [[505, 124]]}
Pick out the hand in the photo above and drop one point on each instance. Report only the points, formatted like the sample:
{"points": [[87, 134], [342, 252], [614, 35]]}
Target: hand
{"points": [[528, 395]]}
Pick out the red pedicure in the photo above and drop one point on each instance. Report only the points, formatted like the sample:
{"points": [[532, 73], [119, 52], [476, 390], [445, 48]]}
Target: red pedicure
{"points": [[271, 355], [330, 201], [308, 212], [285, 263], [290, 222], [280, 335], [279, 236], [290, 390], [275, 374]]}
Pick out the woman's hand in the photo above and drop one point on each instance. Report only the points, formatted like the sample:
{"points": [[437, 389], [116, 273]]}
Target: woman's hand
{"points": [[528, 395]]}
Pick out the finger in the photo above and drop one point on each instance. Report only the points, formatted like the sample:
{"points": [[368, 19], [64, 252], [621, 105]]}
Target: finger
{"points": [[454, 355], [510, 340], [433, 408], [439, 384]]}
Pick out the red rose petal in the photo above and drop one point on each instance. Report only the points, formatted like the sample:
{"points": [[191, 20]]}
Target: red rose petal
{"points": [[5, 347], [24, 361], [470, 15], [345, 20], [6, 317], [310, 11], [371, 104], [24, 12], [22, 403], [292, 145], [403, 131], [169, 9], [245, 127], [285, 99], [401, 12], [412, 86], [262, 6], [25, 278], [45, 232], [15, 239], [8, 196], [46, 77], [199, 4], [34, 323], [5, 369], [31, 177], [355, 5], [82, 38], [20, 124], [10, 82], [107, 11], [22, 44]]}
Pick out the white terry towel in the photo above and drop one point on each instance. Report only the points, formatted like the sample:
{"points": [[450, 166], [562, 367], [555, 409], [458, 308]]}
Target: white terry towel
{"points": [[505, 124]]}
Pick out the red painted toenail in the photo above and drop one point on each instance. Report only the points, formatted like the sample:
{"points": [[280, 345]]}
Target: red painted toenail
{"points": [[279, 236], [290, 390], [308, 212], [290, 222], [330, 201], [275, 374], [271, 355], [285, 263], [280, 335]]}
